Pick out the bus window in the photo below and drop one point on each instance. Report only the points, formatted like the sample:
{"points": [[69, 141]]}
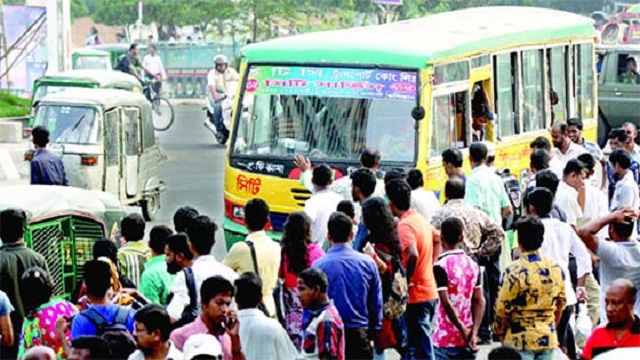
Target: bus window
{"points": [[584, 80], [481, 113], [628, 69], [506, 93], [533, 90], [558, 71], [444, 112]]}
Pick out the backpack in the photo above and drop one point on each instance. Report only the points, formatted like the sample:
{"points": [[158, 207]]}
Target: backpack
{"points": [[396, 303], [190, 312], [118, 338]]}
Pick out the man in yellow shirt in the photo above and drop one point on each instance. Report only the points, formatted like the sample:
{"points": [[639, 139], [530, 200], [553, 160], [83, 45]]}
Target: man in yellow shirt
{"points": [[531, 297], [258, 253]]}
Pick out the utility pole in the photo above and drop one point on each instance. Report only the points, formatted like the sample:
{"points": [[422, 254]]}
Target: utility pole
{"points": [[58, 35]]}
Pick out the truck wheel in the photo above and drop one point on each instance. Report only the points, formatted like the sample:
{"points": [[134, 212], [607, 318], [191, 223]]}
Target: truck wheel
{"points": [[150, 207], [603, 131]]}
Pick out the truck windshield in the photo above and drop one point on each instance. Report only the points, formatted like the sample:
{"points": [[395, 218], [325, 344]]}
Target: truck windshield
{"points": [[327, 113], [69, 124]]}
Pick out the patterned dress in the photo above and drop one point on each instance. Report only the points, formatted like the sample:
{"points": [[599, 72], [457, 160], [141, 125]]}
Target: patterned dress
{"points": [[459, 275], [39, 328]]}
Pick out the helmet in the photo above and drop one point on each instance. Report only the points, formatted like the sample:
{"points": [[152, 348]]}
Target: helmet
{"points": [[220, 59]]}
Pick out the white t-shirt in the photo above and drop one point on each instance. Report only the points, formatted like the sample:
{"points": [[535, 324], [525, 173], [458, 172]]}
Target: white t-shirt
{"points": [[263, 338], [567, 200], [425, 202], [559, 160], [203, 268], [618, 260], [626, 193], [595, 207], [319, 208], [154, 65], [560, 240]]}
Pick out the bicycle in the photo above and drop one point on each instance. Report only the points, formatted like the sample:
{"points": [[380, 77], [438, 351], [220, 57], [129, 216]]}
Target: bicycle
{"points": [[163, 113]]}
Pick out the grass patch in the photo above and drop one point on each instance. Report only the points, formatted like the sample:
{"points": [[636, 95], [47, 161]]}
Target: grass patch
{"points": [[13, 106]]}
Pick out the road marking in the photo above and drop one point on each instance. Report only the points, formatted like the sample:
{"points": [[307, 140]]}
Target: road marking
{"points": [[8, 166]]}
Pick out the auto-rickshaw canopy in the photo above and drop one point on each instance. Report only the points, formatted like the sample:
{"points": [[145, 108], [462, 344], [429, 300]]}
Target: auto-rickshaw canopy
{"points": [[105, 98], [42, 202]]}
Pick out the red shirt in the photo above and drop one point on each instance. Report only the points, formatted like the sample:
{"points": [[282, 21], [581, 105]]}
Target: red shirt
{"points": [[603, 339]]}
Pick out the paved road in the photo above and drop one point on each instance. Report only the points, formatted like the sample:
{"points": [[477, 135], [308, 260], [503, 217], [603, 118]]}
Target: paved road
{"points": [[193, 170]]}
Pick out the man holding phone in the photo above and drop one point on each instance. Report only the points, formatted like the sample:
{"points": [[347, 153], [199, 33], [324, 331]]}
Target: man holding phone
{"points": [[216, 318]]}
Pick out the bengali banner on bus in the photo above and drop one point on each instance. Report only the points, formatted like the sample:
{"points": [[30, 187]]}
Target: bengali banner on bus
{"points": [[332, 82]]}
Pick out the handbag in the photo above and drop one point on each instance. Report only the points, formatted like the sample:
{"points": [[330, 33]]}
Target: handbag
{"points": [[261, 306]]}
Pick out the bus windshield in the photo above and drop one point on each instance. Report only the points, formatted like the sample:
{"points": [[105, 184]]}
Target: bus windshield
{"points": [[327, 113]]}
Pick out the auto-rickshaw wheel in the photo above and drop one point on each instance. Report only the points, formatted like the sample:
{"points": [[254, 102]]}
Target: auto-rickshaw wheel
{"points": [[150, 207]]}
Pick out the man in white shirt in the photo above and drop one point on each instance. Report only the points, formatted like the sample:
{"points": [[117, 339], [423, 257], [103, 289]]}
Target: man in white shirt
{"points": [[568, 190], [619, 255], [423, 201], [560, 240], [322, 203], [564, 149], [201, 234], [626, 189], [154, 69], [632, 133], [575, 133], [369, 159], [595, 200], [262, 338]]}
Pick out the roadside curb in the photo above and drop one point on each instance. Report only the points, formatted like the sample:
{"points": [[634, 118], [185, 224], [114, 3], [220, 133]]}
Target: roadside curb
{"points": [[12, 164]]}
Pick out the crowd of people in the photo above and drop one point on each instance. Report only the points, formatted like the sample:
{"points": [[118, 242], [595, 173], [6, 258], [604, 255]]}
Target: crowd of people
{"points": [[374, 262]]}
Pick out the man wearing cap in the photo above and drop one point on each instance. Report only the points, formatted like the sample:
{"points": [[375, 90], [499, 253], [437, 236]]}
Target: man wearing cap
{"points": [[202, 346]]}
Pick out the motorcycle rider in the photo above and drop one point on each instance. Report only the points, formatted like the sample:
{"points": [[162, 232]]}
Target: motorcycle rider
{"points": [[217, 84]]}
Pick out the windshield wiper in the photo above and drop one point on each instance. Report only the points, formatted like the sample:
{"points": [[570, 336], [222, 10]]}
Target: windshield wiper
{"points": [[66, 133]]}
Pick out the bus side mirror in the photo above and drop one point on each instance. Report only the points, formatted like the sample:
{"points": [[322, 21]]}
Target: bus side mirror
{"points": [[418, 113]]}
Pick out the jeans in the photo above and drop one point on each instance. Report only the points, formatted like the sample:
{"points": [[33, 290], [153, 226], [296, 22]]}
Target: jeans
{"points": [[490, 284], [357, 345], [218, 120], [418, 318], [538, 355], [566, 338], [455, 353]]}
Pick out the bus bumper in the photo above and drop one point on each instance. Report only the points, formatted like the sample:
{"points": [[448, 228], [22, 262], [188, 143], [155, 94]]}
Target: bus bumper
{"points": [[234, 232]]}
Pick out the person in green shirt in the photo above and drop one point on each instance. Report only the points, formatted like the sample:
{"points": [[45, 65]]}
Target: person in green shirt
{"points": [[156, 280], [134, 254]]}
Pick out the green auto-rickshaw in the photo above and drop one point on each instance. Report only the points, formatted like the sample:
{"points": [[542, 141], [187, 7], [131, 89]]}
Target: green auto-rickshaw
{"points": [[62, 225]]}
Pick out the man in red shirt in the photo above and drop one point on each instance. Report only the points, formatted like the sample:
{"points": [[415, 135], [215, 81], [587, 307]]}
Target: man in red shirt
{"points": [[623, 328], [420, 244]]}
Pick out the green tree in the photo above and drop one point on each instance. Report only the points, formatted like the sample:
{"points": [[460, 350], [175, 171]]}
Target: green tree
{"points": [[264, 14]]}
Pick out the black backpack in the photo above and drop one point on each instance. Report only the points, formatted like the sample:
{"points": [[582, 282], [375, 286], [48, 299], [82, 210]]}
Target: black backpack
{"points": [[120, 341], [190, 312]]}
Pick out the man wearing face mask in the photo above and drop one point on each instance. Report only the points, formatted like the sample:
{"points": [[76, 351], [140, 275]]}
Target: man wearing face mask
{"points": [[563, 148]]}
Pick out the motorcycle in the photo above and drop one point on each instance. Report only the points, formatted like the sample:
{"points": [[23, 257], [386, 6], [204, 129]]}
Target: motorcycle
{"points": [[226, 106]]}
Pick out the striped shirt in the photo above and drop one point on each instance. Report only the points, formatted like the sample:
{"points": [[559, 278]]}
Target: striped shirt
{"points": [[131, 259], [323, 334]]}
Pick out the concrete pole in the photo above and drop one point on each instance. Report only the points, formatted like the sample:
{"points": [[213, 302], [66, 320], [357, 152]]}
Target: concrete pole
{"points": [[58, 35]]}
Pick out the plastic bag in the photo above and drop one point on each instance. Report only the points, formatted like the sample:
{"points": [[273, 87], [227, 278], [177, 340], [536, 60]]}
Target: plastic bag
{"points": [[583, 324]]}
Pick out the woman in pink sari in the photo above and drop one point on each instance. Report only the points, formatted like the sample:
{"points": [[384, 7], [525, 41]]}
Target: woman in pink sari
{"points": [[298, 253]]}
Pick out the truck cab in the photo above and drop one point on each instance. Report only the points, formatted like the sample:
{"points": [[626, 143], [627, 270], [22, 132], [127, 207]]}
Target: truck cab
{"points": [[618, 88]]}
